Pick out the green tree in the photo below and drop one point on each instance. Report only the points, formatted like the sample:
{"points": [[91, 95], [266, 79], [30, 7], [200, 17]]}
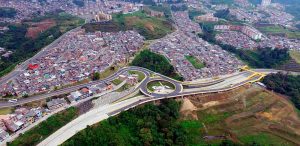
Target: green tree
{"points": [[96, 76]]}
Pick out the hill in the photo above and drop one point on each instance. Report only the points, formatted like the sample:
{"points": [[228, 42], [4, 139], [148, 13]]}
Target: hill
{"points": [[148, 26], [249, 115], [155, 62]]}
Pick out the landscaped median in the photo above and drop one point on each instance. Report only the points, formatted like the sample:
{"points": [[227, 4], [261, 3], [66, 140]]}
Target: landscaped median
{"points": [[153, 85]]}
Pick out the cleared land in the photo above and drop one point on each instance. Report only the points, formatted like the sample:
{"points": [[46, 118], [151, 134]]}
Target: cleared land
{"points": [[295, 55], [149, 27], [279, 30], [245, 116], [36, 28]]}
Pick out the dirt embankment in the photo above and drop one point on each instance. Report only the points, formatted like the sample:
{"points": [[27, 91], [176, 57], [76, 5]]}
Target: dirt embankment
{"points": [[38, 27], [247, 111]]}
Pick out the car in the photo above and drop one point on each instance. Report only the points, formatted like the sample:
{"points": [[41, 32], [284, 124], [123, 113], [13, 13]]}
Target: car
{"points": [[13, 100]]}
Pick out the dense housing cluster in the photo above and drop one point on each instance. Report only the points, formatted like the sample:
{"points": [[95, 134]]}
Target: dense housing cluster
{"points": [[73, 59]]}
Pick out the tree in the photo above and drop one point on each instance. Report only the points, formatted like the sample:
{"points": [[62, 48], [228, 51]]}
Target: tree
{"points": [[96, 76], [155, 62]]}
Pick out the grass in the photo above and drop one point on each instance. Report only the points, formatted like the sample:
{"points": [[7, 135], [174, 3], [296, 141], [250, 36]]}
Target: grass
{"points": [[241, 120], [276, 29], [159, 83], [117, 81], [149, 27], [193, 13], [46, 128], [191, 124], [209, 118], [151, 85], [263, 139], [123, 88], [141, 75], [295, 55], [109, 71], [195, 62], [5, 111]]}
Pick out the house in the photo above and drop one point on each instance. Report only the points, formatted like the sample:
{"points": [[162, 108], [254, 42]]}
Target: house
{"points": [[56, 103], [13, 126], [2, 125], [33, 114], [74, 96], [22, 111], [132, 80], [3, 135], [122, 77], [96, 89], [85, 92]]}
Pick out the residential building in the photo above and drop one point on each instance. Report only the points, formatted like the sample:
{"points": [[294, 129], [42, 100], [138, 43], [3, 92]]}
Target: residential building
{"points": [[209, 17], [56, 103], [3, 135], [266, 2]]}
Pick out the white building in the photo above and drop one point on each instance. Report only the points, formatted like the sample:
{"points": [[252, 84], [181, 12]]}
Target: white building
{"points": [[266, 2]]}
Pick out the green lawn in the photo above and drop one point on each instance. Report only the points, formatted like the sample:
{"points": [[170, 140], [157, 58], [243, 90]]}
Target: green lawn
{"points": [[195, 62], [109, 71], [46, 128], [263, 139], [117, 81], [123, 88], [159, 83], [151, 85], [295, 55], [5, 111]]}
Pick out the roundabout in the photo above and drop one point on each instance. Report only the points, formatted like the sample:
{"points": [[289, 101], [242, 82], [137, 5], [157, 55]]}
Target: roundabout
{"points": [[160, 87]]}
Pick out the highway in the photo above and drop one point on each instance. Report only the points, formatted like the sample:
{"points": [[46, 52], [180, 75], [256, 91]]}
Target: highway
{"points": [[209, 87], [114, 108], [71, 89], [101, 113]]}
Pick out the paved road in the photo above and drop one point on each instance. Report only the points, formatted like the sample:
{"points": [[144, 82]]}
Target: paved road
{"points": [[72, 88], [89, 118], [101, 113], [142, 86], [106, 111]]}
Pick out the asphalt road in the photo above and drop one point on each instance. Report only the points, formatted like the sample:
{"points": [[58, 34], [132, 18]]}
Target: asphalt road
{"points": [[72, 88], [142, 87]]}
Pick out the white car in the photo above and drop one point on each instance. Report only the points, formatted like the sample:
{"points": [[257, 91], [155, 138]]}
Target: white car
{"points": [[13, 100]]}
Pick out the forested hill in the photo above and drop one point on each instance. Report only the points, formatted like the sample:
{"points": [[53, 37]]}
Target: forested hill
{"points": [[285, 84]]}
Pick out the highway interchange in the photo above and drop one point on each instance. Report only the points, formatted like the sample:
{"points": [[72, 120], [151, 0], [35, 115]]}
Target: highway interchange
{"points": [[100, 113], [181, 89], [219, 85]]}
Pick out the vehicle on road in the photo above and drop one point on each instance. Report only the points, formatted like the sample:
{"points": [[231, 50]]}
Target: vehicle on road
{"points": [[13, 100]]}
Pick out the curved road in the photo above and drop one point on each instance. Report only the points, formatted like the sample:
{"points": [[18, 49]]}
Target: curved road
{"points": [[142, 86]]}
